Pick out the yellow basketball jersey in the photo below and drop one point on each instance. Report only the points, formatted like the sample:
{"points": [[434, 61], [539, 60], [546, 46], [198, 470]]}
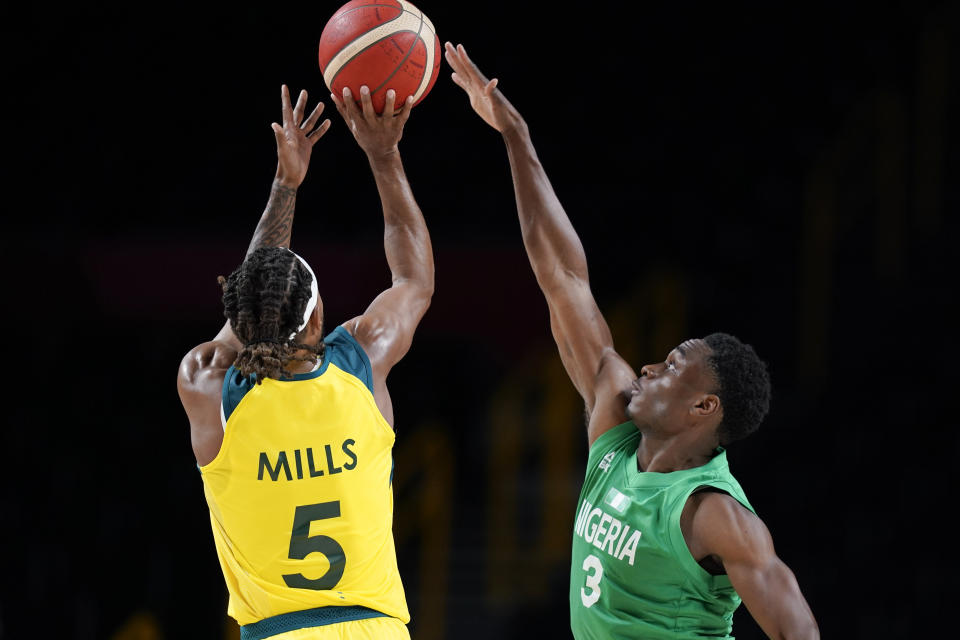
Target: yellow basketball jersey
{"points": [[300, 494]]}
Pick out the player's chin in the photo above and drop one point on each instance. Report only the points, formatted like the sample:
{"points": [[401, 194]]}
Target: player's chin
{"points": [[634, 408]]}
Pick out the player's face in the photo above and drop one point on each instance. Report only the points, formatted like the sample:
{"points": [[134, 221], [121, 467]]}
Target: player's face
{"points": [[665, 393]]}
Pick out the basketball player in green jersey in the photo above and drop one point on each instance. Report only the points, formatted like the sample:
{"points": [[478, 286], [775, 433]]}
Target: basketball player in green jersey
{"points": [[292, 430], [665, 543]]}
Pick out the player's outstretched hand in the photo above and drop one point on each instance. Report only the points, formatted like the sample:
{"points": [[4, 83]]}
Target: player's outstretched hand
{"points": [[376, 135], [296, 137], [488, 101]]}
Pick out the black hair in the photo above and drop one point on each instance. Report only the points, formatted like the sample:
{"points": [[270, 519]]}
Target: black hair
{"points": [[264, 300], [743, 386]]}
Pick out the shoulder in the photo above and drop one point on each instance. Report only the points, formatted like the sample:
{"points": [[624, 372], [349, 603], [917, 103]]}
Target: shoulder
{"points": [[343, 341], [365, 330], [370, 329], [203, 360], [341, 348], [200, 385], [612, 394], [715, 523], [717, 508], [621, 439]]}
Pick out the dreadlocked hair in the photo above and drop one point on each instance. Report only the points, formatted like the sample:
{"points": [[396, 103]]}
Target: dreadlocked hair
{"points": [[744, 386], [264, 300]]}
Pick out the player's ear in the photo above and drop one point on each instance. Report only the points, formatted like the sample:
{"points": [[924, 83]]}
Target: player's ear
{"points": [[316, 318], [707, 405]]}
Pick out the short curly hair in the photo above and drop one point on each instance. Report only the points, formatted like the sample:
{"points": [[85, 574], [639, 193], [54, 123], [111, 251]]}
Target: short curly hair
{"points": [[743, 385]]}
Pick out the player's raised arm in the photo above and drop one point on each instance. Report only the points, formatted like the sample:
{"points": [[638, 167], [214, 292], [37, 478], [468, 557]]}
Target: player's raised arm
{"points": [[385, 330], [200, 376], [295, 139], [601, 376]]}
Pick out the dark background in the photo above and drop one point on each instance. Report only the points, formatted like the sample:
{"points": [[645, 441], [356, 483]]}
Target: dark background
{"points": [[786, 174]]}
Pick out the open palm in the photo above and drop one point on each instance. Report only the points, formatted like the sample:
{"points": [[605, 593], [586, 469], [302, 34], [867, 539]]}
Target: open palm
{"points": [[296, 137], [488, 101]]}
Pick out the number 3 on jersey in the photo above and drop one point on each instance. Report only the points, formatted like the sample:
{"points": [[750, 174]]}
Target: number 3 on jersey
{"points": [[591, 564], [303, 544]]}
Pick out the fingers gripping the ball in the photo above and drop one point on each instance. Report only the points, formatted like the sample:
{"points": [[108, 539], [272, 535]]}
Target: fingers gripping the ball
{"points": [[348, 109], [378, 135], [390, 107], [405, 110], [383, 44], [366, 104], [390, 101], [352, 112]]}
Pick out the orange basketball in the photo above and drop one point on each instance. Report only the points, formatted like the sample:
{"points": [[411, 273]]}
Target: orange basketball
{"points": [[384, 44]]}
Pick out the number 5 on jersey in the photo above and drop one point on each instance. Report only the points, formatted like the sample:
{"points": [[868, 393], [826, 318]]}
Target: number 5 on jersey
{"points": [[303, 544], [591, 564]]}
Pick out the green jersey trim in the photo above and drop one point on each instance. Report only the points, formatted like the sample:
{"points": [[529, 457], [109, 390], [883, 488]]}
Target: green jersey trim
{"points": [[611, 440]]}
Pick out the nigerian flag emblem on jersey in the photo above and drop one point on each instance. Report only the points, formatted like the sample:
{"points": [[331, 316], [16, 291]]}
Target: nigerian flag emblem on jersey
{"points": [[617, 500]]}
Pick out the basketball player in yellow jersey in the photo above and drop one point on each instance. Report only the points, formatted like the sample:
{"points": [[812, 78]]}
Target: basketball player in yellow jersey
{"points": [[292, 431]]}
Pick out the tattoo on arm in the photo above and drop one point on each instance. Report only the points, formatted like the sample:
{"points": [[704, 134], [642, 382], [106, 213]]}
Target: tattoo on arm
{"points": [[276, 223]]}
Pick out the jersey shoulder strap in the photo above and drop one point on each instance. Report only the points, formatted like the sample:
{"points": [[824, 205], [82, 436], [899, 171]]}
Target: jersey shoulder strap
{"points": [[342, 350], [623, 435], [235, 387]]}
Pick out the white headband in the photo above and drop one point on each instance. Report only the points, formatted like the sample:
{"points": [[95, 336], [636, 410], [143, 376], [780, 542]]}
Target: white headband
{"points": [[314, 295]]}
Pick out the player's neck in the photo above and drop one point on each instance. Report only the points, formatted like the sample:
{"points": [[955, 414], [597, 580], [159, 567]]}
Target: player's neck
{"points": [[304, 366], [659, 454]]}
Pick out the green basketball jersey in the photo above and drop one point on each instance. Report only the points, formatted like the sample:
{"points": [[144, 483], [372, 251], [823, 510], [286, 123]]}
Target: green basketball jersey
{"points": [[632, 575]]}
